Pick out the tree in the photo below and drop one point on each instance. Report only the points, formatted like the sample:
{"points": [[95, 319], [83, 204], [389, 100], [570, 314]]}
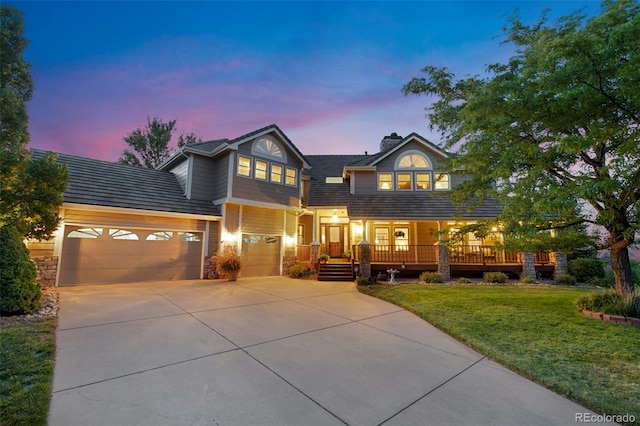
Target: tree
{"points": [[150, 146], [553, 134], [30, 191]]}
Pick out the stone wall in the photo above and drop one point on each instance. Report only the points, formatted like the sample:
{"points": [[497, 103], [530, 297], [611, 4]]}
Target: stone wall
{"points": [[47, 270]]}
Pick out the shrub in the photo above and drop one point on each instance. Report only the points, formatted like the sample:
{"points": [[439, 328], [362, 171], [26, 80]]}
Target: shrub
{"points": [[606, 281], [585, 269], [610, 302], [496, 277], [363, 281], [464, 280], [19, 291], [565, 279], [431, 277], [528, 280], [300, 271]]}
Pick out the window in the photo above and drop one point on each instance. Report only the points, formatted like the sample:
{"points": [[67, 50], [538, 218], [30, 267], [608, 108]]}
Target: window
{"points": [[300, 234], [244, 166], [401, 236], [276, 173], [385, 181], [441, 181], [292, 177], [333, 179], [267, 147], [413, 160], [160, 236], [188, 236], [423, 181], [261, 170], [403, 181], [382, 239], [123, 234], [85, 233]]}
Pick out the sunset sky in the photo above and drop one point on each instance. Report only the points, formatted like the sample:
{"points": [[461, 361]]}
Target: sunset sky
{"points": [[328, 73]]}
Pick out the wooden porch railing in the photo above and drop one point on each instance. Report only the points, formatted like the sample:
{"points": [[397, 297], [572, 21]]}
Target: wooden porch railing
{"points": [[458, 255], [427, 254]]}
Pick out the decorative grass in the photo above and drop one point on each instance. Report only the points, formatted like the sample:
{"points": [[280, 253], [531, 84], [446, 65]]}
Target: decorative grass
{"points": [[27, 356], [538, 332]]}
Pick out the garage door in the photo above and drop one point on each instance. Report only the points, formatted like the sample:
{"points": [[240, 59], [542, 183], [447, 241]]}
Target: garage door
{"points": [[96, 255], [261, 254]]}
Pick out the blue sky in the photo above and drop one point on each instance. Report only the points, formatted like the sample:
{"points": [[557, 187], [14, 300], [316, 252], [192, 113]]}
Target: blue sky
{"points": [[328, 73]]}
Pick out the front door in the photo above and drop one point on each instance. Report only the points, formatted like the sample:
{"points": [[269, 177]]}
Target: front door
{"points": [[335, 241]]}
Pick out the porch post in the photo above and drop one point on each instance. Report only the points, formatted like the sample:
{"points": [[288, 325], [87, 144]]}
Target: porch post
{"points": [[561, 266], [315, 252], [528, 265], [365, 258], [444, 265]]}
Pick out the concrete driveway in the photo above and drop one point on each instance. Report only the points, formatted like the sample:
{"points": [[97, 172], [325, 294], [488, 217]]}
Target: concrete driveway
{"points": [[273, 351]]}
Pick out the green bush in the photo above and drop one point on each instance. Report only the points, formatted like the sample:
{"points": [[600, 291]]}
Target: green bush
{"points": [[496, 277], [431, 277], [300, 271], [610, 302], [363, 281], [464, 280], [606, 281], [565, 279], [528, 280], [19, 291], [585, 269]]}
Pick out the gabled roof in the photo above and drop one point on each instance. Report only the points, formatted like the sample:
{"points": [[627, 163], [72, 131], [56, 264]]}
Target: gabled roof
{"points": [[102, 183], [211, 148], [375, 159]]}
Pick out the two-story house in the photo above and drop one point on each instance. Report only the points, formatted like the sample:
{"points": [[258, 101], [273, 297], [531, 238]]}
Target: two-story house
{"points": [[259, 194]]}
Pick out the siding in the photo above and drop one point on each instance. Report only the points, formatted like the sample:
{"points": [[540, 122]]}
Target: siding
{"points": [[81, 217], [425, 235], [231, 217], [181, 172], [256, 220], [220, 177], [202, 180]]}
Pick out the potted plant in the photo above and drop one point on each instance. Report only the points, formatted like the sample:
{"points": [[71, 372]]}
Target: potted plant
{"points": [[323, 258], [347, 254], [229, 263]]}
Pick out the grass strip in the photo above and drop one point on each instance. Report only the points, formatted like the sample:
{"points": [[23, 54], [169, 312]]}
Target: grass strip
{"points": [[27, 356], [537, 332]]}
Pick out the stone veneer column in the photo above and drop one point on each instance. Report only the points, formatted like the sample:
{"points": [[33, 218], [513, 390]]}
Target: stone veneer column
{"points": [[315, 252], [47, 270], [444, 265], [365, 258], [528, 265], [561, 267]]}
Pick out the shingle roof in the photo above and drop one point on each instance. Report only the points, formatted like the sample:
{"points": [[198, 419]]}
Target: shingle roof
{"points": [[102, 183], [391, 205]]}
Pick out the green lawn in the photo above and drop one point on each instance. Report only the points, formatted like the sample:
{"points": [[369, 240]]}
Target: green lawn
{"points": [[27, 355], [538, 332]]}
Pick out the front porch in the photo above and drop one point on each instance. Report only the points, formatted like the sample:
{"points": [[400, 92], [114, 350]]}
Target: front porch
{"points": [[463, 260]]}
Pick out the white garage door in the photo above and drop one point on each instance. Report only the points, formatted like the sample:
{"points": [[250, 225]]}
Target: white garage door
{"points": [[261, 254], [96, 255]]}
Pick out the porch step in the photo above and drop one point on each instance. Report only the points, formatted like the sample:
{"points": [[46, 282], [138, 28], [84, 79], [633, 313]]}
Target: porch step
{"points": [[335, 272]]}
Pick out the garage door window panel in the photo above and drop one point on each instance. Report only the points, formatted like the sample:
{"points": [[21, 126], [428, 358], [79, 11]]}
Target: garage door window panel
{"points": [[90, 233]]}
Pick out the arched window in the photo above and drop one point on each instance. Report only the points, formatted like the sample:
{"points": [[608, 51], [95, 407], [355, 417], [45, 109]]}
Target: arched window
{"points": [[90, 233], [413, 160], [267, 146]]}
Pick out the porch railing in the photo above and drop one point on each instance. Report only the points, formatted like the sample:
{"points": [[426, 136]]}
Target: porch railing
{"points": [[428, 254]]}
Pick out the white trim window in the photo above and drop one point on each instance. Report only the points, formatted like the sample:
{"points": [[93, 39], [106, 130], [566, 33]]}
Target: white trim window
{"points": [[276, 173], [442, 182], [260, 171], [423, 181], [404, 181], [244, 166], [385, 181], [292, 177]]}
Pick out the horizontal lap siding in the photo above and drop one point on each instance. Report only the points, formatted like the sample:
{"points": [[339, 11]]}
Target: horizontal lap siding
{"points": [[256, 220], [181, 172], [82, 217], [202, 184]]}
